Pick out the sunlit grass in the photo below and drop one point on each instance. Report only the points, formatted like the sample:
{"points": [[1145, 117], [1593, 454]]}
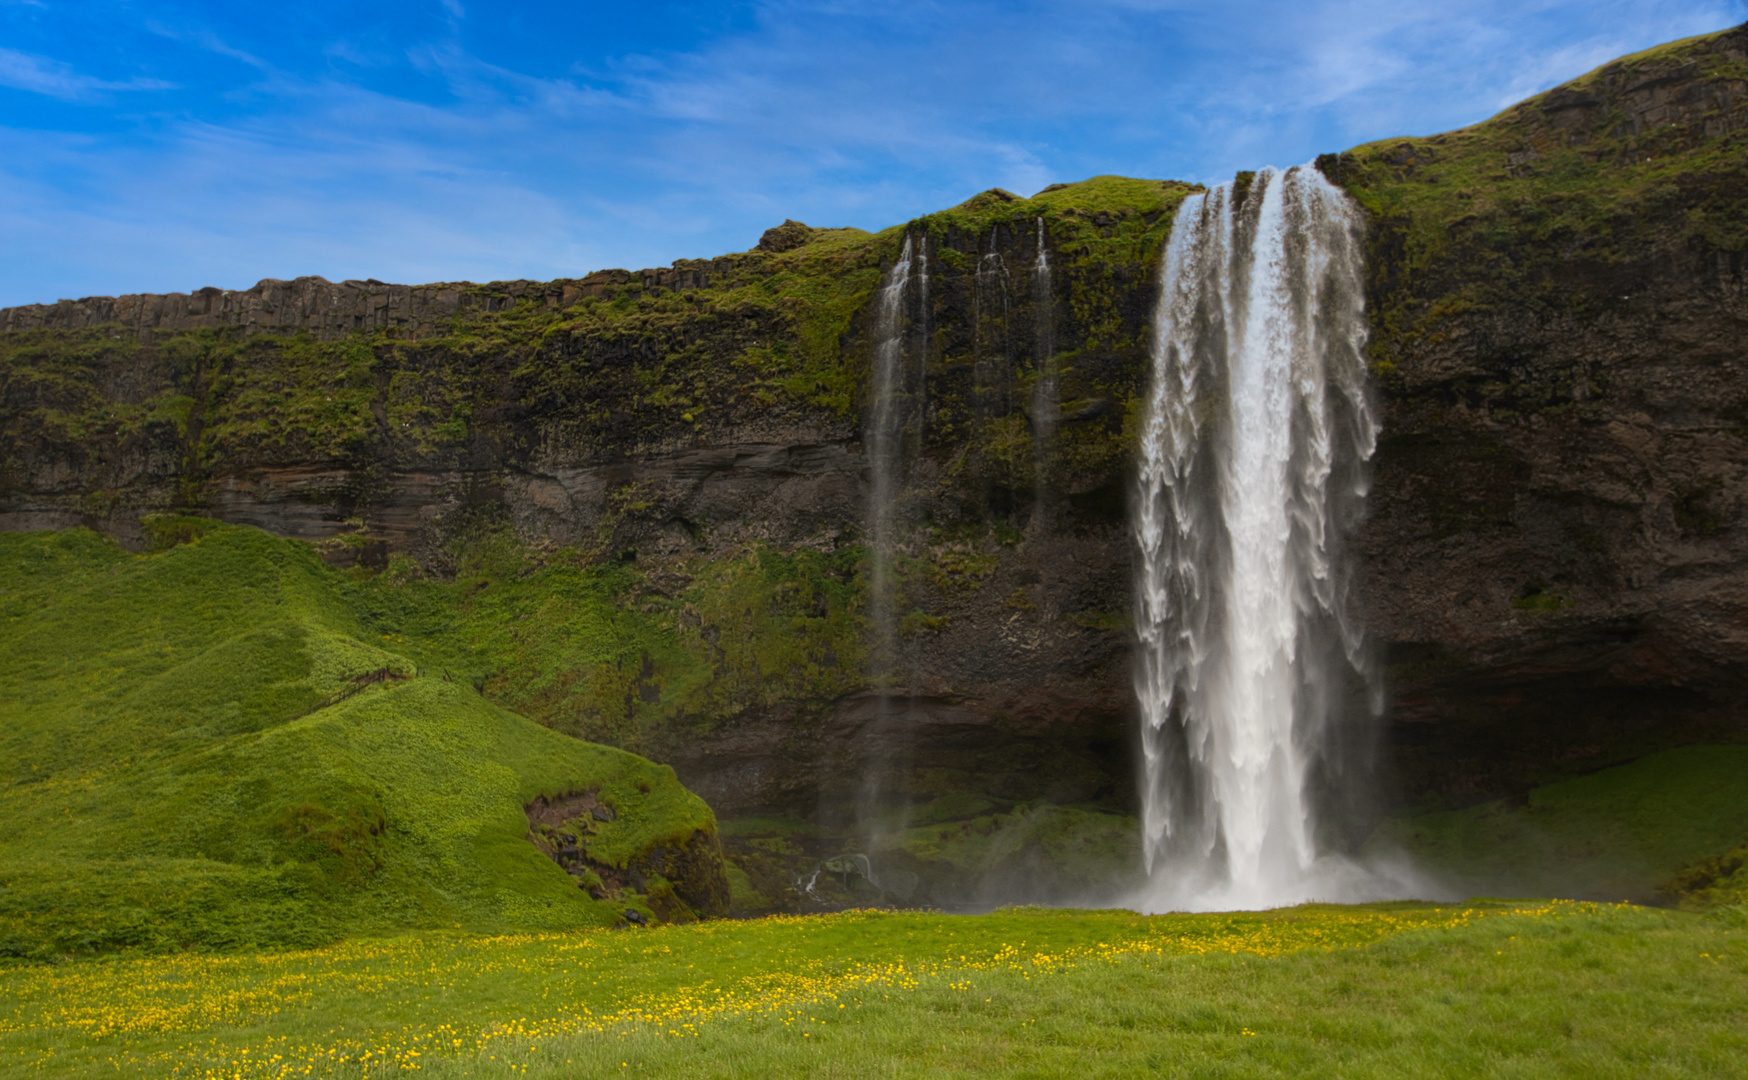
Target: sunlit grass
{"points": [[1314, 990], [188, 759]]}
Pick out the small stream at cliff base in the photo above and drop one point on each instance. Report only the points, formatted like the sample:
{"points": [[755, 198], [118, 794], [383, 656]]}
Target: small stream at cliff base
{"points": [[1258, 700]]}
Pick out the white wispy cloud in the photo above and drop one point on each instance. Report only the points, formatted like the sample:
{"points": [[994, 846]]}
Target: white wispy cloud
{"points": [[43, 75], [206, 40]]}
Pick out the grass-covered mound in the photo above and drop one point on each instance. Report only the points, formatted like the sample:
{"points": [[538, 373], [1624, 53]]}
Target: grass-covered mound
{"points": [[1521, 990], [1649, 831], [204, 746]]}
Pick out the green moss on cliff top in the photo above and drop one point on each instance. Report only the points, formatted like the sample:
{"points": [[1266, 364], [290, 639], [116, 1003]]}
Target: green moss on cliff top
{"points": [[1550, 205]]}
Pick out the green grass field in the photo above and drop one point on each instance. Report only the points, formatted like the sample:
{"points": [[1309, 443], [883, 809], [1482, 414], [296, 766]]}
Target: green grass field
{"points": [[1482, 989]]}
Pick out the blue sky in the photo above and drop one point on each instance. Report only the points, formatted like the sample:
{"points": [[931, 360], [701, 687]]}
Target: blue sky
{"points": [[151, 147]]}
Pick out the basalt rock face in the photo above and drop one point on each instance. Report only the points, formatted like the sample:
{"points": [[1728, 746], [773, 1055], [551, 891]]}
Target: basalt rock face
{"points": [[1556, 557], [679, 880], [1555, 567]]}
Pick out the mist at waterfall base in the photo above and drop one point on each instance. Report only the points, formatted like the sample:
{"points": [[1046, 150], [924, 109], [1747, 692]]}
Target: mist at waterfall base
{"points": [[1258, 701]]}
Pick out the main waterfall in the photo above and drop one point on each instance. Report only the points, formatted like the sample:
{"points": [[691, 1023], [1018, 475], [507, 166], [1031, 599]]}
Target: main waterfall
{"points": [[1251, 674]]}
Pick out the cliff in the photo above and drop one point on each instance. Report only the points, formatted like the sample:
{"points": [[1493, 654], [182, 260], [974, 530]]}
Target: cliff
{"points": [[632, 505], [1556, 551]]}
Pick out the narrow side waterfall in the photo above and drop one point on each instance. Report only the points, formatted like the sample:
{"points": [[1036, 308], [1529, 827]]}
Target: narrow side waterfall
{"points": [[895, 420], [1045, 397], [920, 409], [886, 424], [992, 365], [1254, 690]]}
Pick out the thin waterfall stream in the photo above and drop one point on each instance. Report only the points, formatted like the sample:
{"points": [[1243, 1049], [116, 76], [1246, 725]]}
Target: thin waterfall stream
{"points": [[895, 416], [994, 371], [886, 453], [1255, 690], [1045, 396]]}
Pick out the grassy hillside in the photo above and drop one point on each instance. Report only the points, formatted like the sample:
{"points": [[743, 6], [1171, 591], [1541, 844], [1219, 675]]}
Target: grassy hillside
{"points": [[603, 649], [1554, 206], [204, 746]]}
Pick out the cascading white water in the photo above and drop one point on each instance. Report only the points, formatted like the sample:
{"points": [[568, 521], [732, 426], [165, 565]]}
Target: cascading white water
{"points": [[921, 407], [894, 416], [1044, 392], [1254, 449], [885, 452]]}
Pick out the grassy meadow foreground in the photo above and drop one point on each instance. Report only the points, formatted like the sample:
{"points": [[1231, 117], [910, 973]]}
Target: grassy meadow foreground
{"points": [[1486, 988]]}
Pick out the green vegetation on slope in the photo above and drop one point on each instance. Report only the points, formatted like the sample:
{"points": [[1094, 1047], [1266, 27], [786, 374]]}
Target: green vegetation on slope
{"points": [[1573, 187], [1628, 833], [610, 650], [205, 746], [1540, 989], [632, 652]]}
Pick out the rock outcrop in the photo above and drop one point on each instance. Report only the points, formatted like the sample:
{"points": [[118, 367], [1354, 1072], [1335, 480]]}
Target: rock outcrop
{"points": [[322, 308]]}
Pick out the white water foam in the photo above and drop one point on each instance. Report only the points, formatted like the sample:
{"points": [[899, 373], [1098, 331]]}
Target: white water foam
{"points": [[1255, 693], [886, 449]]}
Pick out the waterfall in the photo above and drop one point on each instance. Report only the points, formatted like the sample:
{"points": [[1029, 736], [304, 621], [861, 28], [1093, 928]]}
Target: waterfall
{"points": [[1044, 391], [895, 416], [992, 378], [886, 423], [1250, 670], [921, 406]]}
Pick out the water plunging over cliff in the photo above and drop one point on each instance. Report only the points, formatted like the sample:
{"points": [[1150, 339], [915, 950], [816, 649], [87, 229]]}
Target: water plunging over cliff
{"points": [[896, 417], [886, 422], [1044, 392], [1250, 672]]}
